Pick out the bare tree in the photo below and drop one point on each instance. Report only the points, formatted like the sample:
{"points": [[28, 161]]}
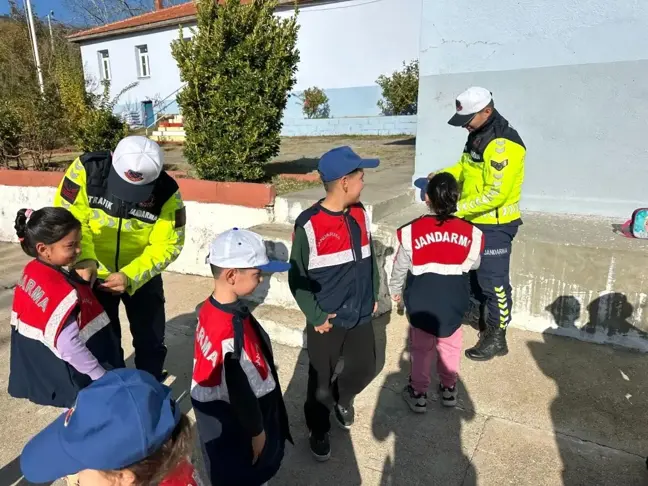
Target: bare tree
{"points": [[100, 12]]}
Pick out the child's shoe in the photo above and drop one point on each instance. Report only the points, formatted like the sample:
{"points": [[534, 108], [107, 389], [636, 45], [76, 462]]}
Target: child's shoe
{"points": [[448, 395], [417, 402]]}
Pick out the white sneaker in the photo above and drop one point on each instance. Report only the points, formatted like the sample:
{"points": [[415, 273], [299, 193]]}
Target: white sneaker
{"points": [[417, 402]]}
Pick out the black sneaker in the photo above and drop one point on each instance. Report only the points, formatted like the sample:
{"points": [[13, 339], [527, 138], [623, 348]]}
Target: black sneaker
{"points": [[417, 402], [320, 446], [344, 416], [448, 395]]}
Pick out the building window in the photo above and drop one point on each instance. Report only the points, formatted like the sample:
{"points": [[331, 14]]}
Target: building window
{"points": [[143, 66], [104, 65]]}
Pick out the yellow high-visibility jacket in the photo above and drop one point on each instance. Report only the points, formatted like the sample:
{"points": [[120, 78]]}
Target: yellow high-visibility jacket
{"points": [[491, 173], [139, 240]]}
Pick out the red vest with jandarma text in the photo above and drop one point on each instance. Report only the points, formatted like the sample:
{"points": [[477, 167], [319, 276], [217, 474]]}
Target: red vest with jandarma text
{"points": [[45, 298], [214, 339], [340, 270]]}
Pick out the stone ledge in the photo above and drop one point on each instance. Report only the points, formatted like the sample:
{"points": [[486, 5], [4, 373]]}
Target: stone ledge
{"points": [[245, 194]]}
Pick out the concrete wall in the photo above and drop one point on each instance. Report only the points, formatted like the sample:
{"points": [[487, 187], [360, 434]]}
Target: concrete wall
{"points": [[373, 125], [204, 221], [569, 75], [344, 47]]}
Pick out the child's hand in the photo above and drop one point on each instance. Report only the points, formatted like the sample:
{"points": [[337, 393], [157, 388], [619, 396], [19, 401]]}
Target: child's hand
{"points": [[396, 298], [375, 307], [258, 443], [326, 327]]}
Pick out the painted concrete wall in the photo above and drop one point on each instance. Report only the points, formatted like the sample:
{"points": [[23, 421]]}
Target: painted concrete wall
{"points": [[344, 47], [372, 125], [204, 221], [569, 75]]}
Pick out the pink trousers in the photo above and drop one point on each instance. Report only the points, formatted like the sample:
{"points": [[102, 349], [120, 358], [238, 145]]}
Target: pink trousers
{"points": [[424, 347]]}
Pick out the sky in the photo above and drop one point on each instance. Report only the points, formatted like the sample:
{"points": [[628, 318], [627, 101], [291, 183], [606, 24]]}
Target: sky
{"points": [[42, 8]]}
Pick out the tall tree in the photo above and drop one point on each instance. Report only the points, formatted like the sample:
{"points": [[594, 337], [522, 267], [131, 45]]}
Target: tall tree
{"points": [[239, 68]]}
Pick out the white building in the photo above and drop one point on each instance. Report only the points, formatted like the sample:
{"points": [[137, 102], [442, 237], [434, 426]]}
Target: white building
{"points": [[344, 45]]}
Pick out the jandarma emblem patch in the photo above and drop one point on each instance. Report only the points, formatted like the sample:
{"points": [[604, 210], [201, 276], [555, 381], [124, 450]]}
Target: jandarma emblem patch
{"points": [[458, 105]]}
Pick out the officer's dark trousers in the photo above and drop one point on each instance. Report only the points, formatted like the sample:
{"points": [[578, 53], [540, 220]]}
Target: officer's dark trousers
{"points": [[357, 347], [145, 312], [490, 283]]}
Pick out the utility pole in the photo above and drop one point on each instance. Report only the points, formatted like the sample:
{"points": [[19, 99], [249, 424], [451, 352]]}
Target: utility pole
{"points": [[49, 22], [30, 19]]}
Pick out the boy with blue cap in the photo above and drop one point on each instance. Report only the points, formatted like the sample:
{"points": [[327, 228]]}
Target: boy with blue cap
{"points": [[124, 430], [335, 281], [240, 412]]}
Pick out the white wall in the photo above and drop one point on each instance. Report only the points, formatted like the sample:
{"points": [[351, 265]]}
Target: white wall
{"points": [[204, 221], [570, 77]]}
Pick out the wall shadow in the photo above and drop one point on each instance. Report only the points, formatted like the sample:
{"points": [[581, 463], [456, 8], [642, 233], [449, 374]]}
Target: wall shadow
{"points": [[602, 393], [405, 141], [303, 165], [427, 447], [11, 475]]}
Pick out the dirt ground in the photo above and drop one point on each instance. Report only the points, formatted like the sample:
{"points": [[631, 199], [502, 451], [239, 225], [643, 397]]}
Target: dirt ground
{"points": [[299, 155]]}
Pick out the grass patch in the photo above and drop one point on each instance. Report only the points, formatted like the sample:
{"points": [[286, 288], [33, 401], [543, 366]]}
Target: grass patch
{"points": [[285, 186]]}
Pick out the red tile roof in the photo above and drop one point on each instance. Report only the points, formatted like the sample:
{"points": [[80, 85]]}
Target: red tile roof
{"points": [[146, 21]]}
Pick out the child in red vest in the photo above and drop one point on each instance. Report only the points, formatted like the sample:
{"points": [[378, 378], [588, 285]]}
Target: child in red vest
{"points": [[61, 340], [436, 253], [235, 392]]}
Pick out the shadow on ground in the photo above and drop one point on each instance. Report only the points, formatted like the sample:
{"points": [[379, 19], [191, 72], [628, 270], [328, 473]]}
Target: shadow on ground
{"points": [[601, 394], [427, 447], [303, 165], [405, 141]]}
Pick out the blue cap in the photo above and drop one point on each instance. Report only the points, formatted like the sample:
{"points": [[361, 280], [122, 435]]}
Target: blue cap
{"points": [[341, 161], [117, 421]]}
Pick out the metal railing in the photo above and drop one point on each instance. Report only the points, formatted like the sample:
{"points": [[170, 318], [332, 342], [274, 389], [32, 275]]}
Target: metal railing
{"points": [[161, 106]]}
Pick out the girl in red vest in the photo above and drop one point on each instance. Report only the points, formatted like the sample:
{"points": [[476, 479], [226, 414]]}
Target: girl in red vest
{"points": [[437, 251], [60, 339]]}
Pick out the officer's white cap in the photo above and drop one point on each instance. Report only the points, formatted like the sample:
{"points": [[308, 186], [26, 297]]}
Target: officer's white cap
{"points": [[471, 101]]}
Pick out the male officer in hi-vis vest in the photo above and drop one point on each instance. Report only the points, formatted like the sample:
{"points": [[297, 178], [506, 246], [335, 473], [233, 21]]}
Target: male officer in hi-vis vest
{"points": [[133, 223], [491, 172]]}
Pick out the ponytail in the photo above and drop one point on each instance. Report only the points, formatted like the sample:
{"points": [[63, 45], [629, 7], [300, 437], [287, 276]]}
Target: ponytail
{"points": [[47, 225], [443, 195]]}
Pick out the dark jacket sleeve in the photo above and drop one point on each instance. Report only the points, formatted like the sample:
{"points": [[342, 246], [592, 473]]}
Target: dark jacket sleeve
{"points": [[244, 403], [298, 280]]}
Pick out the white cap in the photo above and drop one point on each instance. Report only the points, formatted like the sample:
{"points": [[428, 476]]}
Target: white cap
{"points": [[471, 101], [136, 164], [241, 248]]}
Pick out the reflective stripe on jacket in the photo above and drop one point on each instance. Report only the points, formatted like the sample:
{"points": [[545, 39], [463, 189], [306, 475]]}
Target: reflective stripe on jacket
{"points": [[491, 172]]}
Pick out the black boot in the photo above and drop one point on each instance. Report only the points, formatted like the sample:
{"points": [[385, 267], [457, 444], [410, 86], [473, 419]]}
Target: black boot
{"points": [[492, 342]]}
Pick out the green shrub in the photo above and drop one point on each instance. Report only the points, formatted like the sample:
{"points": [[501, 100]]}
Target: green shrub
{"points": [[400, 91], [10, 133], [99, 128], [315, 103], [239, 68]]}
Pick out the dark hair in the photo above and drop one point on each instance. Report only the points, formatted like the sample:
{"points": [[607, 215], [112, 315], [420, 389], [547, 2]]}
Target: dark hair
{"points": [[443, 192], [47, 225], [166, 459], [328, 186], [216, 271]]}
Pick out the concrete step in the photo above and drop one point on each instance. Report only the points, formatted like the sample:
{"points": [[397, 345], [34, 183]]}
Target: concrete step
{"points": [[284, 326], [379, 205]]}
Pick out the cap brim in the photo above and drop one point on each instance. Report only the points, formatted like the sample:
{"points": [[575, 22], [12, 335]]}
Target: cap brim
{"points": [[125, 191], [369, 163], [43, 459], [421, 184], [274, 266], [460, 120]]}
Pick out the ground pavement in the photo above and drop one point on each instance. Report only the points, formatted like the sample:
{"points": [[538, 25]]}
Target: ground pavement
{"points": [[554, 411]]}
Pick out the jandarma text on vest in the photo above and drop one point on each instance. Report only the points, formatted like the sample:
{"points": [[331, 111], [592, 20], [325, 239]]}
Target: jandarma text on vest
{"points": [[496, 251], [441, 236], [35, 292], [206, 345]]}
